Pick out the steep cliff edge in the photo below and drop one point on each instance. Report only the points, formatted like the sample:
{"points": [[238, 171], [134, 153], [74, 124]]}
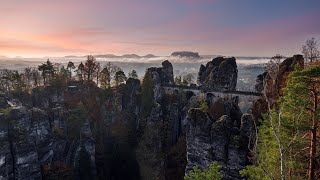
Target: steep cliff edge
{"points": [[36, 142], [218, 140], [273, 88]]}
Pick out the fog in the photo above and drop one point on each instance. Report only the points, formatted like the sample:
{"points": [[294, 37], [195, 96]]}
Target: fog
{"points": [[248, 67]]}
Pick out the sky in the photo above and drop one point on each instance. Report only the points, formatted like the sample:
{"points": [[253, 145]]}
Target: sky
{"points": [[37, 28]]}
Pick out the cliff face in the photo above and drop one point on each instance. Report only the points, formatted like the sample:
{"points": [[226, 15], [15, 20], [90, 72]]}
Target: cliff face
{"points": [[219, 74], [35, 141], [163, 75], [273, 89], [160, 76], [223, 140], [287, 66], [161, 150]]}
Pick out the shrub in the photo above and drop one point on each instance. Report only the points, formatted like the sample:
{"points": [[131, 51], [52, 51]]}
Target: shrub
{"points": [[210, 174], [203, 105]]}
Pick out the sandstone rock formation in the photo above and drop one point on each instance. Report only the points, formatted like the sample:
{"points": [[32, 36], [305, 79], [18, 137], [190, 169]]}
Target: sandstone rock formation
{"points": [[34, 141], [160, 76], [220, 140], [219, 74], [273, 89], [163, 75], [180, 126], [287, 66]]}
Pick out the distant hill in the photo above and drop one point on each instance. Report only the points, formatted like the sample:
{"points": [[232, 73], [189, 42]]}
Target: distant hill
{"points": [[186, 54], [3, 57], [106, 56], [71, 56], [130, 56], [149, 56], [115, 56]]}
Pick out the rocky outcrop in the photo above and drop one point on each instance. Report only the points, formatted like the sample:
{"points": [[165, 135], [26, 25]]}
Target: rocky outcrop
{"points": [[219, 74], [219, 140], [34, 139], [166, 73], [273, 88], [6, 157], [3, 101], [131, 100], [163, 75], [199, 146], [160, 76], [287, 66], [217, 131]]}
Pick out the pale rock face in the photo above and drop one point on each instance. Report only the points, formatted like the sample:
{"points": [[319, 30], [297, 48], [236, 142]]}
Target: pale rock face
{"points": [[27, 134], [224, 140], [219, 74], [160, 76]]}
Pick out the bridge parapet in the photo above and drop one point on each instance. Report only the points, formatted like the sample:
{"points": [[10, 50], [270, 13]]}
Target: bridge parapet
{"points": [[199, 90]]}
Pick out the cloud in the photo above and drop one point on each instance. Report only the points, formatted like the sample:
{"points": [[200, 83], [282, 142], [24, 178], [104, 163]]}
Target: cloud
{"points": [[148, 26]]}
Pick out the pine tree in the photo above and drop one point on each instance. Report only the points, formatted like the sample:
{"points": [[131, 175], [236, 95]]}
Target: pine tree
{"points": [[119, 78]]}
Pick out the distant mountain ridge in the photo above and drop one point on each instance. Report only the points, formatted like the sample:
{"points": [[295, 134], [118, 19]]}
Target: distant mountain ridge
{"points": [[3, 57], [115, 56]]}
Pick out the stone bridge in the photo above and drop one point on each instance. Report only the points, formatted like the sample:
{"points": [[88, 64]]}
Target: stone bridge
{"points": [[170, 88], [246, 98]]}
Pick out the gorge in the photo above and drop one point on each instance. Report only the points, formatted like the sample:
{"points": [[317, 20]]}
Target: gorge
{"points": [[152, 129]]}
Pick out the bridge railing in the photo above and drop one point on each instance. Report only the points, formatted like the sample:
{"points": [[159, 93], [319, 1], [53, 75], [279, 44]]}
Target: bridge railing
{"points": [[213, 90]]}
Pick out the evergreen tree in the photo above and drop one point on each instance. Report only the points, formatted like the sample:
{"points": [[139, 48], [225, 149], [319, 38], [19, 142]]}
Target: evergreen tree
{"points": [[302, 92], [284, 129], [47, 71], [105, 78], [70, 66], [119, 78], [80, 71], [212, 173]]}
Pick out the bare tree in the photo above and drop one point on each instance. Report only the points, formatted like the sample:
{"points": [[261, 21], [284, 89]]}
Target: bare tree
{"points": [[310, 50], [269, 82], [98, 71], [107, 73], [273, 69], [27, 74], [188, 79], [90, 67], [105, 78]]}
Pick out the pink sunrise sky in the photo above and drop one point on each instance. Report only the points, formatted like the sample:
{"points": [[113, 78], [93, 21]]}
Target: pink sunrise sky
{"points": [[37, 28]]}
